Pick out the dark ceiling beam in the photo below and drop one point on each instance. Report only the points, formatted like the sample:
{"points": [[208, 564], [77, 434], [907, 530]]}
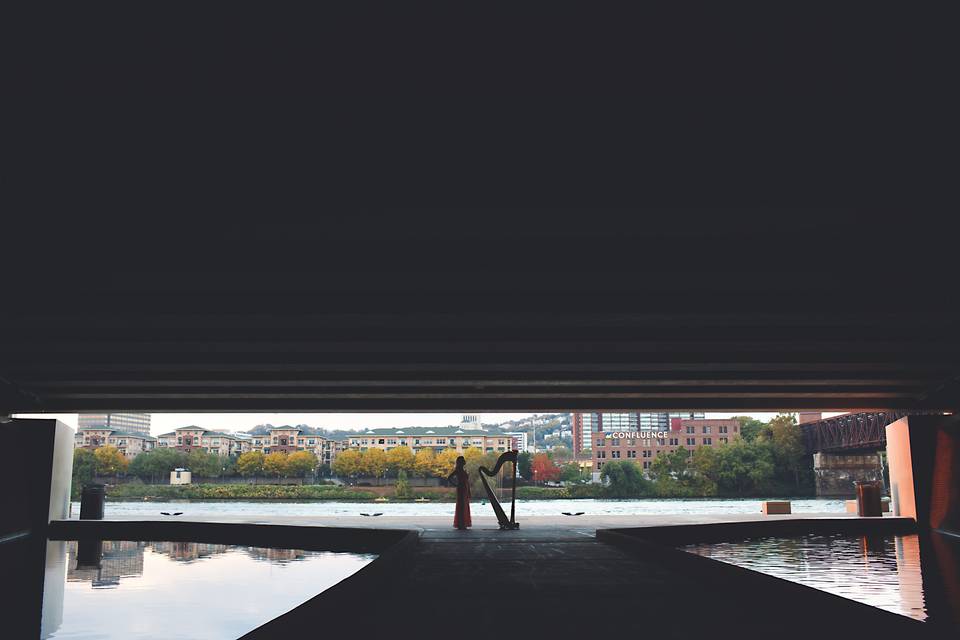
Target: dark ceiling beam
{"points": [[458, 404]]}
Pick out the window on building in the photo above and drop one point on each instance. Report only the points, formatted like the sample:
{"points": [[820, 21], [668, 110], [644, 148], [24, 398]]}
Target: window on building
{"points": [[708, 441], [691, 429], [439, 441], [724, 440], [614, 454], [722, 429], [179, 440], [599, 442], [707, 429], [674, 442], [646, 464], [661, 441], [691, 442], [631, 454]]}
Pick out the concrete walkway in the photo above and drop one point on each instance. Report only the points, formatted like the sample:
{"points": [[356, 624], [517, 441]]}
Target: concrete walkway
{"points": [[548, 581], [584, 524]]}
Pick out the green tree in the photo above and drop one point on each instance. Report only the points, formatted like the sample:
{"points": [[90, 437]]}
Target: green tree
{"points": [[301, 463], [743, 467], [84, 467], [674, 474], [403, 487], [250, 464], [203, 464], [561, 453], [750, 427], [570, 472], [110, 462], [789, 450], [473, 464], [275, 464], [624, 479], [525, 465]]}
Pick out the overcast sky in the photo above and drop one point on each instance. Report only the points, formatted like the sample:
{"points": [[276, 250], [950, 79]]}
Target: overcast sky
{"points": [[164, 422]]}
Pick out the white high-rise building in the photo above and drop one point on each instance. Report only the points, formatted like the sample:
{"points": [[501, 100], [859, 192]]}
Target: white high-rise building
{"points": [[138, 423], [523, 444], [471, 422]]}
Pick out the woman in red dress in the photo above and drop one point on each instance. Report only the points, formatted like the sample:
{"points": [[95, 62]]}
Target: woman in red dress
{"points": [[460, 477]]}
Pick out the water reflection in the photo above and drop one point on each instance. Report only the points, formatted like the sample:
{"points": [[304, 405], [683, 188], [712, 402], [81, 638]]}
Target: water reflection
{"points": [[902, 574], [126, 589], [103, 563]]}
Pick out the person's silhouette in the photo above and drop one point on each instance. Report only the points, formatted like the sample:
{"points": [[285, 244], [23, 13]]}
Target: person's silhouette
{"points": [[460, 477]]}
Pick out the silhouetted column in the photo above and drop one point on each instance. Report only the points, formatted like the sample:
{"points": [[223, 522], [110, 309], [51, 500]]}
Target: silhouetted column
{"points": [[922, 453]]}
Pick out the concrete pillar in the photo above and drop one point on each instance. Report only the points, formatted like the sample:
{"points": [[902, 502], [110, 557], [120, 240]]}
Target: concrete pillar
{"points": [[40, 473], [923, 453], [836, 473], [43, 469]]}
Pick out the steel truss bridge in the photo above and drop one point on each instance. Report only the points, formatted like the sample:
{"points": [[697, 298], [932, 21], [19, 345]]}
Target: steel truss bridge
{"points": [[851, 432]]}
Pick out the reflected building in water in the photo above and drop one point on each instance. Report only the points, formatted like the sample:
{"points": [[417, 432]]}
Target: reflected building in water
{"points": [[117, 559]]}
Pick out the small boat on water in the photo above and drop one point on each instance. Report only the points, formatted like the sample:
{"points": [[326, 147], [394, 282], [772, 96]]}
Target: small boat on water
{"points": [[421, 500], [380, 499]]}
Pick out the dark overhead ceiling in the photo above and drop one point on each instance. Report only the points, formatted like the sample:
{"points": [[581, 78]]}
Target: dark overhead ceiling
{"points": [[486, 310]]}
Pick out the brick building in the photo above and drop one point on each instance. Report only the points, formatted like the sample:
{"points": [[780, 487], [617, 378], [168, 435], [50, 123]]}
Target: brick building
{"points": [[584, 424], [643, 446]]}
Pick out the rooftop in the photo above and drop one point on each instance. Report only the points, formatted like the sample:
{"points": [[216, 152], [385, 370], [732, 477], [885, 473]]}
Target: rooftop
{"points": [[426, 431]]}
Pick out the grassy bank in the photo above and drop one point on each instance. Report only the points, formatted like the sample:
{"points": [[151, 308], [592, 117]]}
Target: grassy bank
{"points": [[237, 492], [136, 491]]}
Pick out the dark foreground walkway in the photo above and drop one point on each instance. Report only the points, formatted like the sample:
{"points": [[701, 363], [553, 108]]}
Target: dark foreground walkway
{"points": [[526, 584]]}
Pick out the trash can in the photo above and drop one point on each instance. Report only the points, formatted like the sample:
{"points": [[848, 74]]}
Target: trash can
{"points": [[868, 499], [91, 502]]}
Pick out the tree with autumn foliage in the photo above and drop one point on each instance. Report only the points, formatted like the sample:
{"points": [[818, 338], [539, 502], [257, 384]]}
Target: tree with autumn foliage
{"points": [[110, 461], [301, 463], [424, 463], [276, 464], [374, 462], [347, 464], [544, 469], [400, 459], [444, 462]]}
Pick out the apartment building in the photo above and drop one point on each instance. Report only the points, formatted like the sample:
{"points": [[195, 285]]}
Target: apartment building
{"points": [[187, 439], [269, 439], [128, 443], [436, 438]]}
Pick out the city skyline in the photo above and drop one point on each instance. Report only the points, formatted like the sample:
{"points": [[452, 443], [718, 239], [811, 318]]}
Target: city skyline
{"points": [[165, 422]]}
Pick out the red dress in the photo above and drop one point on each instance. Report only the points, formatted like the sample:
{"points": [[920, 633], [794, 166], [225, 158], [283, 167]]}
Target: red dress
{"points": [[461, 518]]}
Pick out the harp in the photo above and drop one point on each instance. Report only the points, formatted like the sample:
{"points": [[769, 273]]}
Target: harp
{"points": [[505, 523]]}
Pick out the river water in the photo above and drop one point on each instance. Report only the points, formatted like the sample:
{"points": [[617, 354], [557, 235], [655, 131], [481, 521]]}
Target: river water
{"points": [[526, 507]]}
